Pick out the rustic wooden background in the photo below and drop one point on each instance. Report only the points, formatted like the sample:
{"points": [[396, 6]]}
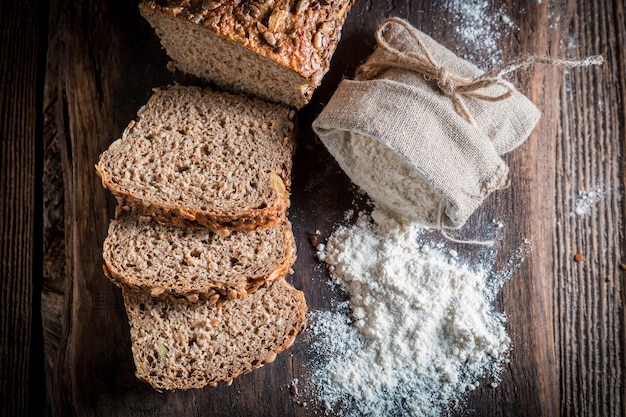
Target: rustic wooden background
{"points": [[74, 73]]}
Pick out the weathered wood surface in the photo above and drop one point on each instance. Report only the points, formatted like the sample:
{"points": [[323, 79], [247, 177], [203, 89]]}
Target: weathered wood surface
{"points": [[566, 319], [21, 354], [588, 313]]}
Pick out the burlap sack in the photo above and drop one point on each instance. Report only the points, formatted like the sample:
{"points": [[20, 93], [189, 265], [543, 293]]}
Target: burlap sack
{"points": [[426, 150]]}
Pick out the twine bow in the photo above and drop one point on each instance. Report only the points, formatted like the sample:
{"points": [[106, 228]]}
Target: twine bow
{"points": [[455, 87]]}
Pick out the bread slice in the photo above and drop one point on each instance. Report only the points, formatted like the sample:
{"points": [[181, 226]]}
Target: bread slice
{"points": [[195, 263], [181, 345], [196, 155], [278, 50]]}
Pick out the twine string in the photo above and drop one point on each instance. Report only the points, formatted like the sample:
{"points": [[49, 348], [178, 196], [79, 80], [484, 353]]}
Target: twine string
{"points": [[456, 87], [440, 217]]}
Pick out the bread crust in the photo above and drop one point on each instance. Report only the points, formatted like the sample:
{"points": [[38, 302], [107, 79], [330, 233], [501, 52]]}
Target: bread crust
{"points": [[214, 294], [245, 23], [300, 35], [221, 223]]}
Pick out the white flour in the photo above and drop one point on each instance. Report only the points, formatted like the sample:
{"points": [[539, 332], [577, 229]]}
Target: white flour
{"points": [[586, 200], [418, 330], [389, 179]]}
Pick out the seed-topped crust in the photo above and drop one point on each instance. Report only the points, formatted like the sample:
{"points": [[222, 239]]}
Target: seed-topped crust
{"points": [[299, 36], [294, 26]]}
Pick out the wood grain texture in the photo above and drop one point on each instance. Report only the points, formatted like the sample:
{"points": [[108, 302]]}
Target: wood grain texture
{"points": [[54, 249], [18, 121], [566, 319], [530, 385], [589, 300]]}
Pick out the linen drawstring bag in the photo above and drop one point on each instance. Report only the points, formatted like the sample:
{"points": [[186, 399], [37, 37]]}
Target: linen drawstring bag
{"points": [[422, 131]]}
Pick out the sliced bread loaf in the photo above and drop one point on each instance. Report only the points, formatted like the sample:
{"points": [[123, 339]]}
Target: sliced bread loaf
{"points": [[193, 154], [277, 50], [195, 263], [181, 345]]}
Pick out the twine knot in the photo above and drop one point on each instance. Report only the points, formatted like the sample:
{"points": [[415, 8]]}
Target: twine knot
{"points": [[455, 87], [445, 82]]}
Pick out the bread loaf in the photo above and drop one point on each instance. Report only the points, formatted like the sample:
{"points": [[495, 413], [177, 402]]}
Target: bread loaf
{"points": [[181, 345], [195, 155], [278, 50], [195, 263]]}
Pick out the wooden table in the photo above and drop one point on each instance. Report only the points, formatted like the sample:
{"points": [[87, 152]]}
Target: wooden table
{"points": [[73, 75]]}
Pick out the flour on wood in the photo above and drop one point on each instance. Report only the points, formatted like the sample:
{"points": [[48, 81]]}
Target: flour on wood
{"points": [[586, 201], [480, 24], [418, 330]]}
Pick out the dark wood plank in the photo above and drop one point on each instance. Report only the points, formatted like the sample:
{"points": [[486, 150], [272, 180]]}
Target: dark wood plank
{"points": [[54, 248], [18, 211]]}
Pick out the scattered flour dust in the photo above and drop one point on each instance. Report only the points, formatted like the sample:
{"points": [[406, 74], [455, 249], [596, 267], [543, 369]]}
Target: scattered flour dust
{"points": [[418, 329], [480, 24], [586, 200]]}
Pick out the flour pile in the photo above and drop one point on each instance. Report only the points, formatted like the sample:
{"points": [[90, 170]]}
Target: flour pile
{"points": [[417, 332]]}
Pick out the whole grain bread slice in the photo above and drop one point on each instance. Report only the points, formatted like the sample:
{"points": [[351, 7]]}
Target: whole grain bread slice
{"points": [[278, 50], [195, 263], [181, 345], [197, 155]]}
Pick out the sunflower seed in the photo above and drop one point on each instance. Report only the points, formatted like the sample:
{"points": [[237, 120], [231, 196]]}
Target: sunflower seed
{"points": [[318, 40], [276, 19], [269, 38], [211, 4], [302, 6], [326, 28]]}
